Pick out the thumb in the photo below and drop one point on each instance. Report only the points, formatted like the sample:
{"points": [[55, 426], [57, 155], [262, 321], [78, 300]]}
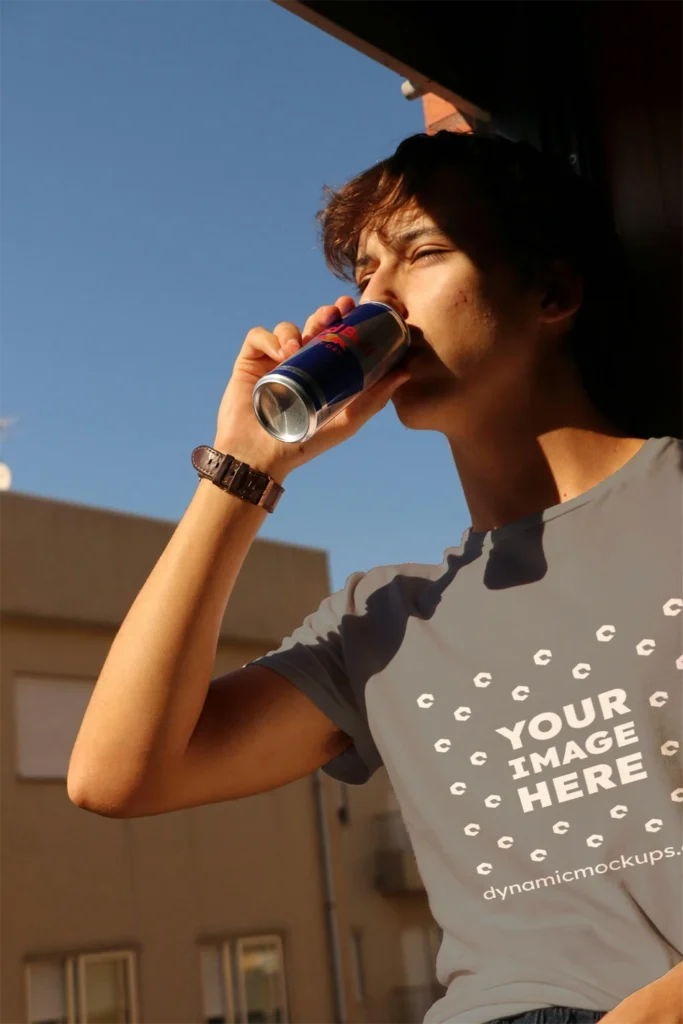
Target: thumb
{"points": [[372, 401], [380, 393]]}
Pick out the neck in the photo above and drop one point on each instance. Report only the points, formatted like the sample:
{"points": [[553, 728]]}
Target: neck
{"points": [[536, 451]]}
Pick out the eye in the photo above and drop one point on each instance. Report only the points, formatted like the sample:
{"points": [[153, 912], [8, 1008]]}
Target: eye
{"points": [[425, 253], [430, 252]]}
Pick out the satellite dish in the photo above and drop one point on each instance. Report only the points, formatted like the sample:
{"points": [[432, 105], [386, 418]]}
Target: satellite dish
{"points": [[5, 477]]}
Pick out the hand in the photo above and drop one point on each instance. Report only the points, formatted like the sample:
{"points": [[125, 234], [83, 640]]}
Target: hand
{"points": [[660, 1002], [238, 431]]}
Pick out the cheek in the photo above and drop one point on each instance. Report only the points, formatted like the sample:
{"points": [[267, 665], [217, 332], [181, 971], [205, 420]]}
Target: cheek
{"points": [[455, 317], [444, 305], [470, 322], [462, 296]]}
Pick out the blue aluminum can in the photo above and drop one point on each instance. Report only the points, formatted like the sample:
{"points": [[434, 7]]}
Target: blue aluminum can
{"points": [[322, 378]]}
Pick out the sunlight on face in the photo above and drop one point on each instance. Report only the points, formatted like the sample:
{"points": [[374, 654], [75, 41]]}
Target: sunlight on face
{"points": [[474, 330]]}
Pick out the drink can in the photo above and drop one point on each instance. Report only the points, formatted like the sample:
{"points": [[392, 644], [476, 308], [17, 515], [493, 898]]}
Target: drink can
{"points": [[330, 371]]}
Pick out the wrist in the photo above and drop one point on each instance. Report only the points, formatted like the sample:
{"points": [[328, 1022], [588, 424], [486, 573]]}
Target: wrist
{"points": [[262, 461]]}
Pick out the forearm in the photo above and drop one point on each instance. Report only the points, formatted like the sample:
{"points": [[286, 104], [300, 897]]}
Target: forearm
{"points": [[661, 1002], [154, 682]]}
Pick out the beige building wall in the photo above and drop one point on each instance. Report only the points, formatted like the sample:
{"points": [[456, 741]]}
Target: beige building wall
{"points": [[161, 886]]}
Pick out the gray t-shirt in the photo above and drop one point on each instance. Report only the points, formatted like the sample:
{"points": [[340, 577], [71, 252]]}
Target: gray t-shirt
{"points": [[525, 698]]}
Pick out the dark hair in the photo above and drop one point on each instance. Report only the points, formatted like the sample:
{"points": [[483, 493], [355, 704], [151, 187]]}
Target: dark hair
{"points": [[539, 209]]}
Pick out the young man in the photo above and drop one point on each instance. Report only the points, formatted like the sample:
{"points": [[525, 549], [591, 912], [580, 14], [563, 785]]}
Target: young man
{"points": [[525, 694]]}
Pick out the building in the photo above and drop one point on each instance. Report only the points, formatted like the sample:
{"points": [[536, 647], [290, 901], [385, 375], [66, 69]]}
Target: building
{"points": [[267, 909], [440, 115], [303, 904]]}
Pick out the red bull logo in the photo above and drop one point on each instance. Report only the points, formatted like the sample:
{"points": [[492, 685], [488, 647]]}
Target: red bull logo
{"points": [[332, 343], [334, 339], [346, 329]]}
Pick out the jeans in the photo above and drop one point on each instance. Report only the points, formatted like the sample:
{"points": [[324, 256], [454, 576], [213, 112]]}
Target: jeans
{"points": [[553, 1015]]}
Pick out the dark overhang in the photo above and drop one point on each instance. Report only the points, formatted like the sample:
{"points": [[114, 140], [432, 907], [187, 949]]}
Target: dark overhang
{"points": [[484, 57]]}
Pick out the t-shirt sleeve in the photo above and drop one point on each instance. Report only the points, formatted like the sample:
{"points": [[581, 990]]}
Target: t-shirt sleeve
{"points": [[314, 659]]}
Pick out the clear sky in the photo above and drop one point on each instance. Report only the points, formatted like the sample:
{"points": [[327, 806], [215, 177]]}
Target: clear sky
{"points": [[161, 167]]}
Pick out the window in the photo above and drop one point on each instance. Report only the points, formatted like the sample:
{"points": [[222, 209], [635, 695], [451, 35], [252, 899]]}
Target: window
{"points": [[243, 982], [216, 984], [260, 976], [47, 993], [93, 988], [48, 714], [357, 965]]}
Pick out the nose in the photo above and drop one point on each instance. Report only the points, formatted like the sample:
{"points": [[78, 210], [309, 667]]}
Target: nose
{"points": [[386, 295], [384, 285]]}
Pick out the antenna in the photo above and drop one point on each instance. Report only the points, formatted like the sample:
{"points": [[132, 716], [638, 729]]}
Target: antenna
{"points": [[5, 472]]}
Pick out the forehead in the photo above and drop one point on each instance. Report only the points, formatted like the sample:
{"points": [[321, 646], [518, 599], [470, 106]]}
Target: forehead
{"points": [[449, 205], [399, 227]]}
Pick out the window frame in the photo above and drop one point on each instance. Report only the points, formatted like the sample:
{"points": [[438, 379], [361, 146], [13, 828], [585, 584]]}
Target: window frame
{"points": [[240, 943], [21, 684], [72, 966], [234, 986], [224, 960]]}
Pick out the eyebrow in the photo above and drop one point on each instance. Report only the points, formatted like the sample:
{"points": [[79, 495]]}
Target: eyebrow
{"points": [[401, 240]]}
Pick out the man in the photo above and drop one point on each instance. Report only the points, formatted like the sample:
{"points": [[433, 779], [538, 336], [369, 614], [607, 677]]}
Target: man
{"points": [[525, 694]]}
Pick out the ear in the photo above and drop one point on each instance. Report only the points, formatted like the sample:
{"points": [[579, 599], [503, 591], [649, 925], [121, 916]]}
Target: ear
{"points": [[562, 293]]}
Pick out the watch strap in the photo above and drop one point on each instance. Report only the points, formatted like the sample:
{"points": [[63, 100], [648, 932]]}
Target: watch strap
{"points": [[237, 478]]}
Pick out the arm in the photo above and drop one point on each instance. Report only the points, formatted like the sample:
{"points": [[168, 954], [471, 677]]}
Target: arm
{"points": [[153, 685], [256, 732], [660, 1002], [156, 736]]}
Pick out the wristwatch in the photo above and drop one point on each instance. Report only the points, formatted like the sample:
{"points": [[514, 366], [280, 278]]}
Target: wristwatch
{"points": [[237, 478]]}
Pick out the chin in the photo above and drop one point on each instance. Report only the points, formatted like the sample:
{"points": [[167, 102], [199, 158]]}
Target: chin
{"points": [[421, 405]]}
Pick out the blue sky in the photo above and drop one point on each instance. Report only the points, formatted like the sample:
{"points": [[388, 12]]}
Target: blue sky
{"points": [[161, 167]]}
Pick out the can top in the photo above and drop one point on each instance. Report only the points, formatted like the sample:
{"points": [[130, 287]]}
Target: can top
{"points": [[283, 408]]}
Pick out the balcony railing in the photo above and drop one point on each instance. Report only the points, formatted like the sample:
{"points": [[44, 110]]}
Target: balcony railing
{"points": [[395, 866], [411, 1002]]}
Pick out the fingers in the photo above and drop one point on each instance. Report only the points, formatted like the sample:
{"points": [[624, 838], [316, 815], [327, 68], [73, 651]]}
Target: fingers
{"points": [[363, 408], [260, 342], [324, 316], [345, 304], [286, 338], [376, 397], [318, 321]]}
